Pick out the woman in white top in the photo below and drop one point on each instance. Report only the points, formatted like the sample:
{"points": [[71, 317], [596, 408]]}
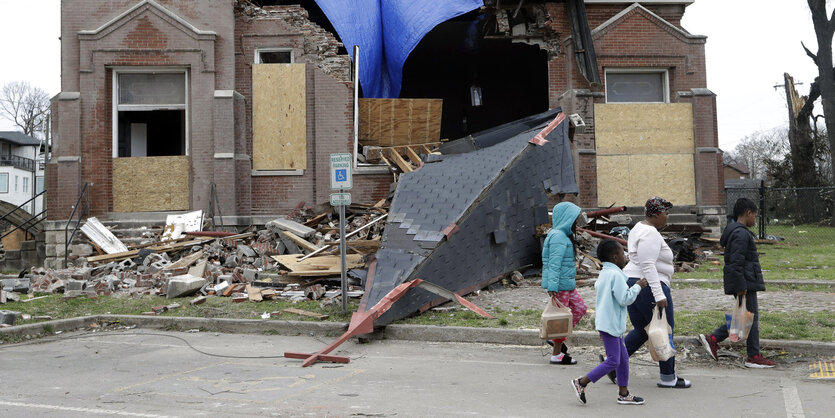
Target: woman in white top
{"points": [[651, 258]]}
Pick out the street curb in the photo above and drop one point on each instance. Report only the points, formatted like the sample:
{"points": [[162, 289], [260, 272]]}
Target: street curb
{"points": [[424, 333], [800, 282]]}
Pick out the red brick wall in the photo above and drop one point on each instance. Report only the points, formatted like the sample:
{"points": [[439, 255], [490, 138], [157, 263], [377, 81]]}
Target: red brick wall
{"points": [[637, 40]]}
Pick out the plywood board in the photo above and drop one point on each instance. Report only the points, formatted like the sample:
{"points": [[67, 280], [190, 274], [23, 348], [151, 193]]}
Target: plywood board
{"points": [[396, 122], [643, 128], [632, 179], [148, 184], [321, 266], [279, 122]]}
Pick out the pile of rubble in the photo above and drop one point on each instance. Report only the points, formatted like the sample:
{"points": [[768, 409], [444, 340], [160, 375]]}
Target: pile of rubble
{"points": [[690, 249], [294, 258]]}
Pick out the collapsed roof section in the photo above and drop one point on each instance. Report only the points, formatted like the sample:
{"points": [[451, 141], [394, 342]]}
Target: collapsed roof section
{"points": [[464, 221]]}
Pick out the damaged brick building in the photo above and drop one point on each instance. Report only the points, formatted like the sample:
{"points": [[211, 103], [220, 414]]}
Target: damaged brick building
{"points": [[164, 101]]}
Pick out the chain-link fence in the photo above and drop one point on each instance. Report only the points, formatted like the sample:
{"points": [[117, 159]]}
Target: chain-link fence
{"points": [[795, 215]]}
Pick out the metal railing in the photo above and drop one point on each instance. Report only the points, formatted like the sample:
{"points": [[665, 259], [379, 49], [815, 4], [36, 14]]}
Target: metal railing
{"points": [[68, 237], [214, 204], [29, 223], [17, 161]]}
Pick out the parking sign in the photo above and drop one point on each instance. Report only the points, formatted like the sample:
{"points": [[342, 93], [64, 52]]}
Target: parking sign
{"points": [[341, 171]]}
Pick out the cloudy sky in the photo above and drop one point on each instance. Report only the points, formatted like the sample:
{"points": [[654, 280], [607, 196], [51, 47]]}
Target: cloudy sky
{"points": [[751, 43]]}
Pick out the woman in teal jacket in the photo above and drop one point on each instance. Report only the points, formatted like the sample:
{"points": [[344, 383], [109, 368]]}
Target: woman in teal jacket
{"points": [[558, 271]]}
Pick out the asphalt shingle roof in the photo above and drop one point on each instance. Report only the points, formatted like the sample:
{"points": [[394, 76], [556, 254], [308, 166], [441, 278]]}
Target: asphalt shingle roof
{"points": [[18, 138], [495, 195]]}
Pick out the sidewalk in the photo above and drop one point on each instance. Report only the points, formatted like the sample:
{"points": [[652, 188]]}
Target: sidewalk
{"points": [[160, 373], [331, 330]]}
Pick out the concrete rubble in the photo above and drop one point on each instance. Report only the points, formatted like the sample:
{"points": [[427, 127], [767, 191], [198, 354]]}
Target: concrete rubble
{"points": [[201, 265]]}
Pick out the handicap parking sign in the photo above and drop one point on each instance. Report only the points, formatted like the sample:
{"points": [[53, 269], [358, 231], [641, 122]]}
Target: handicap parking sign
{"points": [[341, 165]]}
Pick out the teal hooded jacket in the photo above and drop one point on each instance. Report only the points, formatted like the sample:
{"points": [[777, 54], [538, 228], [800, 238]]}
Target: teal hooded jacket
{"points": [[558, 268]]}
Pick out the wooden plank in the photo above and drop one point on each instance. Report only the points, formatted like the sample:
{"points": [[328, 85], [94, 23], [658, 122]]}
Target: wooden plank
{"points": [[404, 166], [149, 184], [420, 121], [279, 123], [307, 245], [374, 154], [305, 313], [156, 248], [415, 159], [374, 131], [319, 266], [426, 149]]}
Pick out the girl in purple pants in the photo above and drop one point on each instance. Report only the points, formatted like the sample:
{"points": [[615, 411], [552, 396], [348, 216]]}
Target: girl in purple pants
{"points": [[613, 296]]}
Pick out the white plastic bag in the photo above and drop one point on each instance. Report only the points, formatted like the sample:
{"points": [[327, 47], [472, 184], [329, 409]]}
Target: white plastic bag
{"points": [[741, 321], [660, 336], [555, 321]]}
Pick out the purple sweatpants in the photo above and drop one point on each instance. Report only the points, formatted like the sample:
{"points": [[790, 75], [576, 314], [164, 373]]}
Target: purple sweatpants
{"points": [[616, 359]]}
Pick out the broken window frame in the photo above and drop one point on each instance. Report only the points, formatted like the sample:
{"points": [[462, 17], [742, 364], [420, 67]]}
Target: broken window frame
{"points": [[116, 107], [259, 51], [665, 80]]}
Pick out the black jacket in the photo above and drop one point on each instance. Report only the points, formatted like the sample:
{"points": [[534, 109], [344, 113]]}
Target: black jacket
{"points": [[742, 262]]}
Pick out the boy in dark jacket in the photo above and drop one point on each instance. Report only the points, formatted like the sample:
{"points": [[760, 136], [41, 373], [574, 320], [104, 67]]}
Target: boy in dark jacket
{"points": [[743, 277]]}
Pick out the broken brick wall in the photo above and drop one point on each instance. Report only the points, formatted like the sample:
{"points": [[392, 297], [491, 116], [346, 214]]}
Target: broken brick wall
{"points": [[637, 40], [329, 115]]}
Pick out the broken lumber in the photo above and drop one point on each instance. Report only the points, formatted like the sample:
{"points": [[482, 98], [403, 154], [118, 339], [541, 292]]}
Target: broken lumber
{"points": [[306, 313], [401, 163], [156, 248], [327, 265], [307, 245]]}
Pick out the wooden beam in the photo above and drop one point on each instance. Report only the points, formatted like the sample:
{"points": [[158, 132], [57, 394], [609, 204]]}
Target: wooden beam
{"points": [[301, 242], [404, 166], [413, 157], [155, 248], [305, 313]]}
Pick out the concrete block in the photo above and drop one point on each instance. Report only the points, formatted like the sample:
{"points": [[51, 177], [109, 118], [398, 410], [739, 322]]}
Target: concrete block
{"points": [[8, 317], [71, 285], [12, 254], [81, 250], [184, 285], [51, 251], [292, 226], [27, 245], [30, 259]]}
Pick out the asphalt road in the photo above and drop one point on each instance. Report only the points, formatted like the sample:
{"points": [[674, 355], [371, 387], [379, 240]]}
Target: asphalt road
{"points": [[151, 374]]}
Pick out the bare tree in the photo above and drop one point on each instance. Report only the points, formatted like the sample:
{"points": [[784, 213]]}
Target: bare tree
{"points": [[824, 30], [754, 149], [25, 105]]}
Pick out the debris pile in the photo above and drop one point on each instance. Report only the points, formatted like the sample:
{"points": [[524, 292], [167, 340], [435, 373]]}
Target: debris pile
{"points": [[691, 250], [294, 258]]}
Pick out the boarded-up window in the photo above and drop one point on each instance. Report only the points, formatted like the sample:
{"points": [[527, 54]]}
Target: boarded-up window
{"points": [[645, 150], [279, 124]]}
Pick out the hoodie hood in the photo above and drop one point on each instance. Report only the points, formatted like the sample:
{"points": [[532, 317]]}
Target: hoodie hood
{"points": [[726, 234], [563, 216]]}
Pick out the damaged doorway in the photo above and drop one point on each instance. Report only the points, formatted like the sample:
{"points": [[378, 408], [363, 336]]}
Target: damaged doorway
{"points": [[150, 140], [483, 82]]}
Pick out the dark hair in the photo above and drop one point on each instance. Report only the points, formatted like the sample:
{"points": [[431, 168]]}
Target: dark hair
{"points": [[607, 249], [742, 205]]}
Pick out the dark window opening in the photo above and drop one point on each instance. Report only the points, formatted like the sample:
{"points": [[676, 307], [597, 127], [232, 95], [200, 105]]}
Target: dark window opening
{"points": [[276, 57], [483, 82], [152, 133]]}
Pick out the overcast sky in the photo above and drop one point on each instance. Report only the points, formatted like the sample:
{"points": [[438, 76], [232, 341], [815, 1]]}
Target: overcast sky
{"points": [[750, 44]]}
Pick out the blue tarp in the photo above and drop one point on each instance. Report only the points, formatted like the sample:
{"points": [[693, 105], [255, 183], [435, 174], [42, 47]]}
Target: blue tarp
{"points": [[387, 31]]}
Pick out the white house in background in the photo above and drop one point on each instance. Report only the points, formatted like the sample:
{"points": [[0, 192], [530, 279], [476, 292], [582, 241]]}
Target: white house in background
{"points": [[21, 170]]}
